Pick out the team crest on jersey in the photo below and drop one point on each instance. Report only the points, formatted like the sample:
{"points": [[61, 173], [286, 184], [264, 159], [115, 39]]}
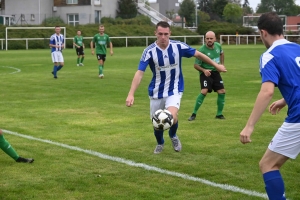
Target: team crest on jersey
{"points": [[173, 54]]}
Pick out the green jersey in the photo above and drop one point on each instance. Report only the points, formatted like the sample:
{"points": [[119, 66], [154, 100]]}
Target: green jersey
{"points": [[78, 40], [213, 54], [101, 42]]}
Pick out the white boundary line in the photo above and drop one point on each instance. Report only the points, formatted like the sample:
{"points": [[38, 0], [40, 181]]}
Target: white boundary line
{"points": [[17, 70], [145, 166]]}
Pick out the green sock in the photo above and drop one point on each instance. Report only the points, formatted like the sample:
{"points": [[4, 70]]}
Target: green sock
{"points": [[7, 148], [199, 102], [82, 58], [100, 69], [220, 103], [78, 60]]}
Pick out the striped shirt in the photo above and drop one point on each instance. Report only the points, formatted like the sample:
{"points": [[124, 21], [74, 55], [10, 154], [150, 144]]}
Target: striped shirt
{"points": [[280, 64], [56, 40], [166, 69]]}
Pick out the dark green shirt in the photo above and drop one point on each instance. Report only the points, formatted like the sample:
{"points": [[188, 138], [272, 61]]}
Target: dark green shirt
{"points": [[101, 42], [213, 54]]}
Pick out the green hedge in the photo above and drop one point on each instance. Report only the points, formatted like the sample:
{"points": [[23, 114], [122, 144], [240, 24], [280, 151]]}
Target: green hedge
{"points": [[139, 26]]}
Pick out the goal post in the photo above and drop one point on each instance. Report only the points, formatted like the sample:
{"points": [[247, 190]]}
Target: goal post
{"points": [[32, 28]]}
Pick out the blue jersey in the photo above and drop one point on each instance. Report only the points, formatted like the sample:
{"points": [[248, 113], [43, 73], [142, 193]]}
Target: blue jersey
{"points": [[56, 40], [165, 65], [280, 64]]}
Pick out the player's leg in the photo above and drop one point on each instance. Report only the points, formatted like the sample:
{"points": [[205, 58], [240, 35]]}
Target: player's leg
{"points": [[284, 145], [55, 61], [100, 65], [206, 86], [173, 105], [78, 56], [156, 104], [9, 150], [61, 61], [218, 87], [82, 55]]}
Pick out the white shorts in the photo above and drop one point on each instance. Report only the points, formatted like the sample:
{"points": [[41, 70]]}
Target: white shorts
{"points": [[57, 57], [287, 140], [164, 103]]}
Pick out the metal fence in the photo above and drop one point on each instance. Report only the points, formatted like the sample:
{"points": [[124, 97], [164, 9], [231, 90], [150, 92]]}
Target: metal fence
{"points": [[5, 44]]}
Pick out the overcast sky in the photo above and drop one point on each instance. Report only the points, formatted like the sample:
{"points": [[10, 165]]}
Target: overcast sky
{"points": [[253, 3]]}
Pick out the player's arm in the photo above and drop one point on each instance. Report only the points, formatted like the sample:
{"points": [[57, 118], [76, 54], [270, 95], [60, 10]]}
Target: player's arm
{"points": [[222, 58], [276, 106], [207, 60], [201, 69], [111, 48], [263, 98], [74, 43], [92, 47], [134, 85]]}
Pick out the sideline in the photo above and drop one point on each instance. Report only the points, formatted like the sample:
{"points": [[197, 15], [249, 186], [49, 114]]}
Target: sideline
{"points": [[145, 166], [17, 70]]}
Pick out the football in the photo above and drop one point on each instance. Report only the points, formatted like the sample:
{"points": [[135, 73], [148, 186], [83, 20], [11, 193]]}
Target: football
{"points": [[162, 119]]}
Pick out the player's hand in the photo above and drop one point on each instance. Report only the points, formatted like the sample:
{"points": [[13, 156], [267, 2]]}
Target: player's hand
{"points": [[92, 52], [111, 53], [221, 68], [207, 73], [129, 100], [245, 134], [276, 106]]}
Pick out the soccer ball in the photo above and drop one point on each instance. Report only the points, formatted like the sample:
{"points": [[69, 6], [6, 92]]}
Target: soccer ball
{"points": [[162, 119]]}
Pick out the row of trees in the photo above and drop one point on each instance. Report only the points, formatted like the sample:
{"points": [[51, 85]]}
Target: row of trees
{"points": [[220, 10]]}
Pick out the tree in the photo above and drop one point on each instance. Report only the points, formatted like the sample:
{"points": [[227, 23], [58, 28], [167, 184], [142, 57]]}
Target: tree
{"points": [[286, 7], [127, 9], [187, 11], [206, 6], [218, 8], [232, 12], [203, 16]]}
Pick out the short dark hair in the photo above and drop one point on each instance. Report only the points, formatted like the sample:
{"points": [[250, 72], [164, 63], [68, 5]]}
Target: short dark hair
{"points": [[163, 24], [271, 23]]}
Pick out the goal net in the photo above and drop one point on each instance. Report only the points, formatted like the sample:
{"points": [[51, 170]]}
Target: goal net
{"points": [[29, 37]]}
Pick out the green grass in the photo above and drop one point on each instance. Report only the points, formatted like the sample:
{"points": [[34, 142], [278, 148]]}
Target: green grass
{"points": [[79, 109]]}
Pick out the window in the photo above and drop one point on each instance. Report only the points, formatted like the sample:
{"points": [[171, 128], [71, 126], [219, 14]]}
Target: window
{"points": [[73, 19], [32, 18], [72, 1], [97, 16], [97, 2]]}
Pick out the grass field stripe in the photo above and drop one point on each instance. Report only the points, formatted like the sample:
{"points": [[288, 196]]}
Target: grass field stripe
{"points": [[145, 166]]}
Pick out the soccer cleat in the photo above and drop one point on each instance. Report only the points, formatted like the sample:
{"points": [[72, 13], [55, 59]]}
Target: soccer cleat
{"points": [[192, 117], [176, 143], [101, 76], [25, 160], [220, 117], [81, 64], [158, 149], [53, 74]]}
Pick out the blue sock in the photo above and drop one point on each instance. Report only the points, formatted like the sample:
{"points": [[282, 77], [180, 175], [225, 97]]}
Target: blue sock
{"points": [[59, 67], [159, 136], [54, 70], [274, 185], [173, 130]]}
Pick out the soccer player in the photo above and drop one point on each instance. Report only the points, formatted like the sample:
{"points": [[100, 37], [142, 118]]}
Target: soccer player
{"points": [[167, 84], [79, 45], [9, 150], [101, 40], [57, 44], [279, 67], [210, 78]]}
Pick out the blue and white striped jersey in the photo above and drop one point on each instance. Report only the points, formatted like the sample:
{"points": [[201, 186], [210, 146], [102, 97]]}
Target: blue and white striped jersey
{"points": [[56, 40], [166, 68], [280, 64]]}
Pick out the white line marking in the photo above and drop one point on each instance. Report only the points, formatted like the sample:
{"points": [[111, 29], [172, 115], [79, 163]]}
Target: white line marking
{"points": [[17, 70], [145, 166]]}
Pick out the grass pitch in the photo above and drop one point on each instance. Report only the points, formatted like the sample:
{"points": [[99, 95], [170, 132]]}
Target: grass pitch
{"points": [[88, 145]]}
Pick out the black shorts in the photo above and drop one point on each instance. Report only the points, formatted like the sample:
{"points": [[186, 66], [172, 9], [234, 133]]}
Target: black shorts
{"points": [[79, 51], [213, 82], [101, 57]]}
